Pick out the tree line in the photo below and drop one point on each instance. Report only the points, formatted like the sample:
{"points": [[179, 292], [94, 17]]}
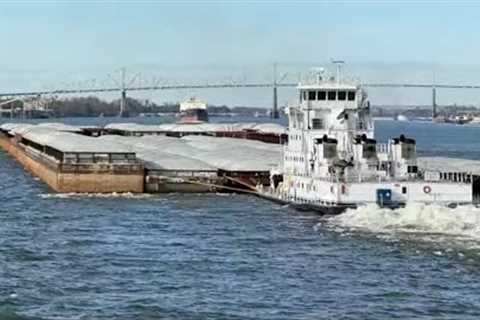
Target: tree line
{"points": [[94, 107]]}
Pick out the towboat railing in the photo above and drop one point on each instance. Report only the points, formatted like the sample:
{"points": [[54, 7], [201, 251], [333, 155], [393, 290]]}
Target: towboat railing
{"points": [[454, 177], [382, 148]]}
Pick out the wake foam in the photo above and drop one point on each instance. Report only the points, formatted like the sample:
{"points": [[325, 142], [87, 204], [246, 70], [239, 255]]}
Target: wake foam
{"points": [[126, 195], [461, 222]]}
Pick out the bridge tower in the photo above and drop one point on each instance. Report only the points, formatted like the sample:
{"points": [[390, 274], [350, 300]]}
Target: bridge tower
{"points": [[123, 97], [434, 103], [123, 104], [275, 114]]}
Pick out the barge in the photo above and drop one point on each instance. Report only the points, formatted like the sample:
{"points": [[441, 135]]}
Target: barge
{"points": [[266, 132], [69, 159], [69, 162]]}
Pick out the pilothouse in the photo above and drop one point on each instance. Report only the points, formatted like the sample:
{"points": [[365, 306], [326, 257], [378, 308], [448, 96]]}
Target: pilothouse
{"points": [[333, 162]]}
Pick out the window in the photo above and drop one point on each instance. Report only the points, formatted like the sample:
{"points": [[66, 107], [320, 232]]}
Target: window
{"points": [[412, 169], [322, 95], [332, 95], [369, 151], [404, 190], [408, 151], [329, 150], [342, 95], [383, 166], [317, 123], [311, 95], [351, 95]]}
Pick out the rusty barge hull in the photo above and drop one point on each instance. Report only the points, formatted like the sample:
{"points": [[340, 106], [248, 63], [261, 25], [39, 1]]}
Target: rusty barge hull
{"points": [[85, 178]]}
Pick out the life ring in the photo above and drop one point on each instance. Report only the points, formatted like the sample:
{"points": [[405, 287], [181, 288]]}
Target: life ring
{"points": [[427, 189]]}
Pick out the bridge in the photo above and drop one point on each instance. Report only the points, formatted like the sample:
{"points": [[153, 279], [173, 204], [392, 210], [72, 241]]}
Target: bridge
{"points": [[122, 87]]}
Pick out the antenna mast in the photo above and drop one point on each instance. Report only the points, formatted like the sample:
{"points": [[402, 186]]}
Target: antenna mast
{"points": [[339, 64]]}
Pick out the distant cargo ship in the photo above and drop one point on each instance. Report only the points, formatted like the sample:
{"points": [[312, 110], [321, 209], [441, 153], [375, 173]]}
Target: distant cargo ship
{"points": [[193, 111], [458, 119]]}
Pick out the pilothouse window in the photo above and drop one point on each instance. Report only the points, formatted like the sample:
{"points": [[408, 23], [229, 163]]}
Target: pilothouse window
{"points": [[351, 95], [332, 95], [322, 95], [311, 95], [342, 95]]}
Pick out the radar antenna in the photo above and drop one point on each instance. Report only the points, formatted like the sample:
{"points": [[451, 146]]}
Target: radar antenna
{"points": [[339, 64]]}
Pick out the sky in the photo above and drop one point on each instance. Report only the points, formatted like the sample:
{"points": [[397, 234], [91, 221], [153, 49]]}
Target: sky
{"points": [[58, 44]]}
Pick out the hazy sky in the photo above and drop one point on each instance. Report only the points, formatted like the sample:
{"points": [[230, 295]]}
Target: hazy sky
{"points": [[56, 43]]}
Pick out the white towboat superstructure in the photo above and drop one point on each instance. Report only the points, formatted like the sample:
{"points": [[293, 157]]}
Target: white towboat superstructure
{"points": [[332, 162]]}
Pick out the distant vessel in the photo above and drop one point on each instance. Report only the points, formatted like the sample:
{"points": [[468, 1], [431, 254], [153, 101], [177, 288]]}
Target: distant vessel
{"points": [[332, 161], [401, 117], [148, 114], [460, 119], [475, 120], [457, 119], [193, 111]]}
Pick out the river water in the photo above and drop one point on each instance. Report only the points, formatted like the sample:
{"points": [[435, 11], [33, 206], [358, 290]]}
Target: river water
{"points": [[177, 256]]}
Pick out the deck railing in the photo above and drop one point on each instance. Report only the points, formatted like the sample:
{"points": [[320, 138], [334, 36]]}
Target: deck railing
{"points": [[382, 148]]}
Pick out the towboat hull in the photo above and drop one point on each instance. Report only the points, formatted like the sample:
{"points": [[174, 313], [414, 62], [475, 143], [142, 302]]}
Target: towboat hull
{"points": [[322, 209], [334, 209]]}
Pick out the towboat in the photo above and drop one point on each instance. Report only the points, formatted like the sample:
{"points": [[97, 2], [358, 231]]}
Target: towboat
{"points": [[332, 161]]}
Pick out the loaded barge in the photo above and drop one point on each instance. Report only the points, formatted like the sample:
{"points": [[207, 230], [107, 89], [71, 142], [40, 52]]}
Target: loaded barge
{"points": [[69, 162], [69, 159], [266, 132]]}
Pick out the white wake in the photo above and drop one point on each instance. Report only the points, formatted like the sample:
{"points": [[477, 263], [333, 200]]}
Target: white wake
{"points": [[126, 195], [461, 222]]}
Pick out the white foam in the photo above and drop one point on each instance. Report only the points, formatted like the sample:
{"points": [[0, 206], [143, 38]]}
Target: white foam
{"points": [[432, 220], [127, 195]]}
